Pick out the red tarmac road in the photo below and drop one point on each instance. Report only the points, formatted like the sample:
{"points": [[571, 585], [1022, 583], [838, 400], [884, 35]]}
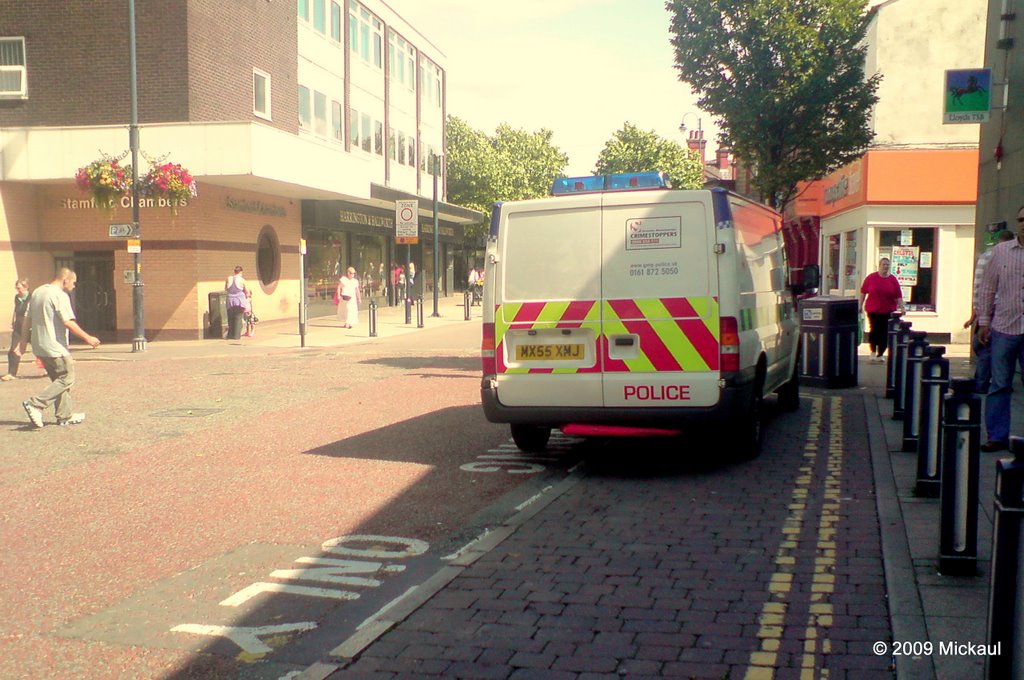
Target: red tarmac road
{"points": [[135, 543]]}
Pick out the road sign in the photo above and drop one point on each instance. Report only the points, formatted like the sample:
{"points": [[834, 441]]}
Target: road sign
{"points": [[968, 96], [406, 222], [134, 246], [121, 230]]}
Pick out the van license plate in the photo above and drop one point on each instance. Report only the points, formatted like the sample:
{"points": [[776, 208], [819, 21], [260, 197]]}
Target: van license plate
{"points": [[572, 352]]}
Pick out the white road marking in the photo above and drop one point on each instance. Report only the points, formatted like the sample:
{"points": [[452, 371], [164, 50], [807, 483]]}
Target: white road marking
{"points": [[246, 594], [248, 639]]}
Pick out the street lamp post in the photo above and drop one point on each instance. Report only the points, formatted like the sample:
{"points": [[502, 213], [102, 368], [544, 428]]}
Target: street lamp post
{"points": [[437, 171], [139, 340], [682, 123]]}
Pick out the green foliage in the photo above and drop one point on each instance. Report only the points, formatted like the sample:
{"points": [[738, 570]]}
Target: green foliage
{"points": [[634, 150], [510, 165], [786, 80]]}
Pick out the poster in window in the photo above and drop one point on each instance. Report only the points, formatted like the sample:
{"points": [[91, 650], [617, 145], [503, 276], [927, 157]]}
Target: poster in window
{"points": [[906, 237], [904, 264], [926, 261]]}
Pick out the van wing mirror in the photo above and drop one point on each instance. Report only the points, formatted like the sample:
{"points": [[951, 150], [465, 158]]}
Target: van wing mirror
{"points": [[812, 276]]}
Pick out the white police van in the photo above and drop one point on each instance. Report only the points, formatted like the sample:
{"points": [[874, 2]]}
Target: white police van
{"points": [[621, 307]]}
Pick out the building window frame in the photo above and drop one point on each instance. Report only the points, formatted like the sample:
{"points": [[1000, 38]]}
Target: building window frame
{"points": [[13, 68], [268, 258], [305, 109], [261, 90]]}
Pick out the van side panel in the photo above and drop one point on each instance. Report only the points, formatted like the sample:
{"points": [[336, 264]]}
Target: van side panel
{"points": [[659, 301], [767, 321]]}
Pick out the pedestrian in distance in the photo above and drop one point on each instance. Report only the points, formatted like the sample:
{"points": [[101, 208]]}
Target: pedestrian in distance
{"points": [[982, 353], [237, 289], [880, 296], [410, 281], [49, 319], [20, 308], [349, 296], [1001, 326]]}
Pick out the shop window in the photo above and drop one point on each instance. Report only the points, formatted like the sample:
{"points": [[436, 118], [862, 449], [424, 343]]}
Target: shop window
{"points": [[914, 258], [832, 263], [851, 281], [268, 258]]}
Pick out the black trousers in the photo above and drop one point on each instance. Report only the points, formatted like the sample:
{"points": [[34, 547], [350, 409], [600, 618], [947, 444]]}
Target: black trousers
{"points": [[235, 322], [878, 336]]}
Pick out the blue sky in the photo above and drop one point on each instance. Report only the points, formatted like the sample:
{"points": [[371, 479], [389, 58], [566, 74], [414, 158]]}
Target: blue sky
{"points": [[577, 67]]}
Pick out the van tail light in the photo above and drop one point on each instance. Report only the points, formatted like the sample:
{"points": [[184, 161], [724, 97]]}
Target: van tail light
{"points": [[487, 362], [729, 344]]}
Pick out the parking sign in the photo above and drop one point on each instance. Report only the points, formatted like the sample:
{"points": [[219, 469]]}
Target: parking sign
{"points": [[406, 222]]}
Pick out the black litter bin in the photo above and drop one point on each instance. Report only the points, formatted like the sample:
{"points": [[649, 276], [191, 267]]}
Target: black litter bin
{"points": [[218, 314], [828, 338]]}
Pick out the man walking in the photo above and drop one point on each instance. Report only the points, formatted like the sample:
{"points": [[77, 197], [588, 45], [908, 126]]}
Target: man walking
{"points": [[50, 317], [1001, 326]]}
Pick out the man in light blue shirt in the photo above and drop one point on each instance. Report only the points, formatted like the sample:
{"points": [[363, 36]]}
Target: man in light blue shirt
{"points": [[50, 317]]}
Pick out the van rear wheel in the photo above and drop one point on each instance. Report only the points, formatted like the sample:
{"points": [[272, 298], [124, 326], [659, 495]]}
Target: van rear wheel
{"points": [[530, 438], [789, 394], [750, 437]]}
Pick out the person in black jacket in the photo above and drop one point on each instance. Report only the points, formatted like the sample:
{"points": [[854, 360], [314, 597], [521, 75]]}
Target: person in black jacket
{"points": [[20, 307]]}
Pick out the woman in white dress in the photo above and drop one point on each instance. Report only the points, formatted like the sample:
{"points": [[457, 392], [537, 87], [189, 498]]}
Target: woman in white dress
{"points": [[349, 296]]}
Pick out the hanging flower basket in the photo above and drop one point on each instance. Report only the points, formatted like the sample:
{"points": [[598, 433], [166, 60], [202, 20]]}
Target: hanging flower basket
{"points": [[105, 180], [168, 181]]}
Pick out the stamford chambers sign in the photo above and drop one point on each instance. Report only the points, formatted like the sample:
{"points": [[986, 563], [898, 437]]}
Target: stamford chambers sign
{"points": [[123, 202]]}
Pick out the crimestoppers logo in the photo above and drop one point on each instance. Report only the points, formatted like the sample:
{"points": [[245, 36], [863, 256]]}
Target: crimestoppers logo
{"points": [[653, 233]]}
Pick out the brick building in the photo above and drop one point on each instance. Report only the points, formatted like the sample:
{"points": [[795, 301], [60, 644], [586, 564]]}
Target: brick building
{"points": [[305, 119]]}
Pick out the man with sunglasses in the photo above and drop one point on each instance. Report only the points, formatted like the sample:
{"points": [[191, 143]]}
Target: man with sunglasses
{"points": [[1001, 327]]}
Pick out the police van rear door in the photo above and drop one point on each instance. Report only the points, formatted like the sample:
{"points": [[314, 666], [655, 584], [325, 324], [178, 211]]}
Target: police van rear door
{"points": [[659, 300], [546, 318]]}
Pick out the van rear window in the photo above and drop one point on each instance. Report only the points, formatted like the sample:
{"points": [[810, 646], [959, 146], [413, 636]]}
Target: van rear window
{"points": [[552, 255]]}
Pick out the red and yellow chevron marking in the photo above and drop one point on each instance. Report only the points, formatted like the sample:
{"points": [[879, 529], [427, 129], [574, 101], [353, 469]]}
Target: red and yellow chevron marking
{"points": [[676, 334]]}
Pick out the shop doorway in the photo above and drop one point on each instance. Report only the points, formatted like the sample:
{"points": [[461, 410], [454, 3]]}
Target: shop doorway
{"points": [[94, 296]]}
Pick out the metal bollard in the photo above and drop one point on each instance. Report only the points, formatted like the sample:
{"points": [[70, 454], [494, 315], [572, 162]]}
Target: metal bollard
{"points": [[419, 312], [912, 389], [1005, 658], [958, 529], [892, 328], [373, 318], [902, 338], [934, 371], [408, 310], [467, 298]]}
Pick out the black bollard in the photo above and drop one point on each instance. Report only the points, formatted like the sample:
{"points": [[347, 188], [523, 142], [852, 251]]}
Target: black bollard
{"points": [[408, 310], [419, 312], [958, 529], [892, 328], [902, 338], [934, 371], [373, 318], [916, 349], [1005, 658], [467, 301]]}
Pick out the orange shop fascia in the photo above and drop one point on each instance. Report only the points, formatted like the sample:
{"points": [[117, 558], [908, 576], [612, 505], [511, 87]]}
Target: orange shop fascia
{"points": [[902, 177]]}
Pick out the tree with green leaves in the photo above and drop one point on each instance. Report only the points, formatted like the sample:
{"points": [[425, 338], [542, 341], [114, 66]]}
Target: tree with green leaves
{"points": [[511, 165], [786, 80], [634, 150]]}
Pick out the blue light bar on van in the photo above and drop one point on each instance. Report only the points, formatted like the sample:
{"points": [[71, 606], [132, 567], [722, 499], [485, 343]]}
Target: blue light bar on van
{"points": [[627, 181]]}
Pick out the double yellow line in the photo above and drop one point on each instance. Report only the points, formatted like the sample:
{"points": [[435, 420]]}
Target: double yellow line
{"points": [[771, 621]]}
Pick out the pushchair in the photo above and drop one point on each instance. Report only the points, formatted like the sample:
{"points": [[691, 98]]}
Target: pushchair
{"points": [[478, 293]]}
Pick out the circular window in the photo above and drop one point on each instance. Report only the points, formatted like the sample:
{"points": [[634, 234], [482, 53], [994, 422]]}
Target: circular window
{"points": [[268, 257]]}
